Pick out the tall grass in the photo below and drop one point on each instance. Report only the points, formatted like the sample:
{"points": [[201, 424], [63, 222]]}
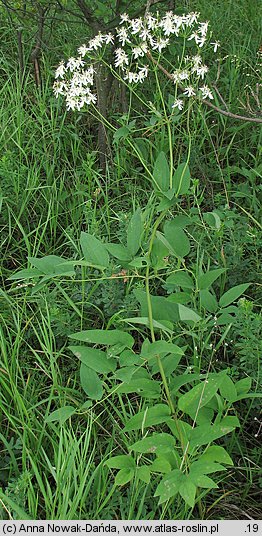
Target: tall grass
{"points": [[51, 189]]}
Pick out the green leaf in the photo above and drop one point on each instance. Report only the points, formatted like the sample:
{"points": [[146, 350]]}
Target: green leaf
{"points": [[208, 301], [138, 262], [142, 386], [206, 280], [243, 386], [187, 314], [183, 221], [105, 337], [203, 481], [180, 297], [227, 389], [201, 435], [61, 415], [128, 358], [179, 245], [212, 219], [158, 348], [160, 465], [143, 473], [148, 417], [158, 254], [205, 416], [183, 379], [169, 363], [29, 273], [187, 490], [180, 429], [156, 443], [52, 265], [162, 309], [90, 382], [124, 461], [205, 468], [181, 179], [143, 147], [121, 133], [215, 453], [14, 506], [94, 250], [118, 251], [124, 374], [93, 358], [169, 486], [225, 319], [232, 294], [180, 279], [124, 476], [200, 395], [134, 232], [161, 172]]}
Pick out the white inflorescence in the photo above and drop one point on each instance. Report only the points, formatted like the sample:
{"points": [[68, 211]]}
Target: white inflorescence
{"points": [[135, 41]]}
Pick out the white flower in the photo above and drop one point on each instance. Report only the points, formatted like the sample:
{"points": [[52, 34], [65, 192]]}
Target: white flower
{"points": [[124, 18], [136, 25], [151, 22], [88, 76], [191, 18], [121, 58], [108, 38], [197, 60], [179, 76], [122, 35], [175, 76], [178, 103], [90, 98], [70, 103], [74, 64], [189, 91], [199, 40], [201, 71], [131, 77], [183, 75], [194, 35], [206, 93], [178, 22], [139, 51], [160, 43], [60, 88], [145, 34], [143, 73], [203, 27], [137, 77], [82, 50], [216, 44], [60, 71], [167, 23], [76, 102], [96, 42]]}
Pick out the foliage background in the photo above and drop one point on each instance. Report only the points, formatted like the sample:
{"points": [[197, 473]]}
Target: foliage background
{"points": [[55, 182]]}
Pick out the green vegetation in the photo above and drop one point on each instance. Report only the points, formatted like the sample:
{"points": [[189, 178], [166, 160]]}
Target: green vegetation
{"points": [[130, 299]]}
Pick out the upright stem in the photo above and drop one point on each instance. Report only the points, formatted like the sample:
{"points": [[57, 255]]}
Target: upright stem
{"points": [[150, 312], [168, 131]]}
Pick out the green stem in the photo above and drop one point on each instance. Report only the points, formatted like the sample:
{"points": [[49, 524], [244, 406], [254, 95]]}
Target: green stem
{"points": [[150, 312], [168, 131]]}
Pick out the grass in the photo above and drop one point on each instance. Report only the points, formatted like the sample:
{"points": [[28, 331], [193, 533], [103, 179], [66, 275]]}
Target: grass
{"points": [[51, 189]]}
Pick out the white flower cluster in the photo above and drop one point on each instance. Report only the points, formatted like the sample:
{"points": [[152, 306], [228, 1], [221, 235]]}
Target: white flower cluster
{"points": [[136, 40], [77, 87]]}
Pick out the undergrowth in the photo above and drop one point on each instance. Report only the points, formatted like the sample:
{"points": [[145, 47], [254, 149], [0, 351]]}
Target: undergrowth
{"points": [[93, 429]]}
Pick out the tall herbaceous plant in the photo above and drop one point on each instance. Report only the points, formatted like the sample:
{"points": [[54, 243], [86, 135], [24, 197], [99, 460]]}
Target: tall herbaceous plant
{"points": [[184, 410]]}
